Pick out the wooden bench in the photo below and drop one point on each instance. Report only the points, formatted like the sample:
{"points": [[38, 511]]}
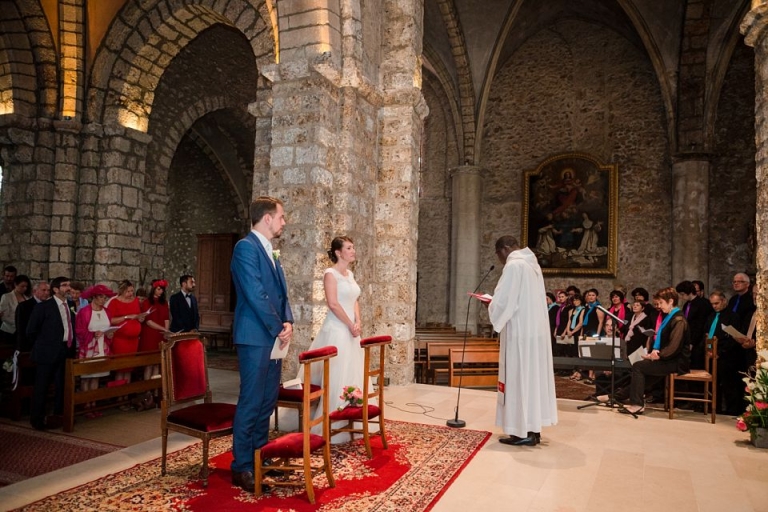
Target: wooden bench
{"points": [[474, 367], [438, 353], [78, 367]]}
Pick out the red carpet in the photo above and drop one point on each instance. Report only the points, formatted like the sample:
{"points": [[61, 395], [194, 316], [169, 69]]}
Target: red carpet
{"points": [[25, 453], [420, 464]]}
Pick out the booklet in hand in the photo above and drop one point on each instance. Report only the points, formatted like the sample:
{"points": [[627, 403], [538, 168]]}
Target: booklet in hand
{"points": [[649, 332], [733, 332], [482, 297], [292, 384], [277, 352]]}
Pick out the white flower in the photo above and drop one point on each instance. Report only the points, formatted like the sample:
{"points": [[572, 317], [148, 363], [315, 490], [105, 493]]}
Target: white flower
{"points": [[8, 365], [764, 365], [276, 254]]}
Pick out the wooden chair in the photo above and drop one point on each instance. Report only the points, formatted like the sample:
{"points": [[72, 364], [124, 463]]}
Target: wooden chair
{"points": [[300, 445], [367, 412], [708, 377], [185, 380], [293, 399]]}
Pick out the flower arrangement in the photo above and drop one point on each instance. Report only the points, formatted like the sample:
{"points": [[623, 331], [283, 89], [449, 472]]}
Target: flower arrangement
{"points": [[756, 414], [352, 396]]}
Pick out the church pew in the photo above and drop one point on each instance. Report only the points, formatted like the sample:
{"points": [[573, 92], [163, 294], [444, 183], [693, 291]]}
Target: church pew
{"points": [[77, 367], [474, 367], [438, 353]]}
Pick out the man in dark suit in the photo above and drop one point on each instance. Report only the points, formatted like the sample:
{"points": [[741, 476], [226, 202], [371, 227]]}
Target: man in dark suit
{"points": [[183, 307], [262, 316], [741, 303], [696, 311], [40, 293], [730, 357], [51, 329], [9, 275]]}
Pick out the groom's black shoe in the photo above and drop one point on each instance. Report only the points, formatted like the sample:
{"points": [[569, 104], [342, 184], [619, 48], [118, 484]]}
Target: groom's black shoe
{"points": [[243, 480]]}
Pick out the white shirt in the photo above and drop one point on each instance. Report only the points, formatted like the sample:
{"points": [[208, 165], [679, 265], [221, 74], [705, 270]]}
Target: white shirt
{"points": [[65, 318], [266, 244]]}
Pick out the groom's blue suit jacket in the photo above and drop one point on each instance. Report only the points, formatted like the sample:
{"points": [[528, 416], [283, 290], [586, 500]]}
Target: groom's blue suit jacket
{"points": [[262, 295]]}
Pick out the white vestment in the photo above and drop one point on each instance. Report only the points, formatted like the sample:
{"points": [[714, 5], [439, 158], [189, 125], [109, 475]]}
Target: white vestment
{"points": [[526, 394]]}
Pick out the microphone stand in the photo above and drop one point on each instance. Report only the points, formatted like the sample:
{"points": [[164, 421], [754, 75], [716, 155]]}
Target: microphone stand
{"points": [[612, 402], [456, 422]]}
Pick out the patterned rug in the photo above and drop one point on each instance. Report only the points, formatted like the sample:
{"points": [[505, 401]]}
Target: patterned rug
{"points": [[420, 464], [25, 453], [222, 359], [571, 389]]}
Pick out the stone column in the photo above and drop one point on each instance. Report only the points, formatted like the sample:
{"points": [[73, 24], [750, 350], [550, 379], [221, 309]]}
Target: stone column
{"points": [[65, 192], [305, 118], [27, 149], [467, 182], [754, 29], [118, 215], [690, 235]]}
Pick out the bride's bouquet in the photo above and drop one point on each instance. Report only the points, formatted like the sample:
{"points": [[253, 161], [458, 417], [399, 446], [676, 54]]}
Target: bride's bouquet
{"points": [[352, 396]]}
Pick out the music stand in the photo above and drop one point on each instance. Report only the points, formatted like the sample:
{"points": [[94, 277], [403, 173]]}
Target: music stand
{"points": [[612, 402]]}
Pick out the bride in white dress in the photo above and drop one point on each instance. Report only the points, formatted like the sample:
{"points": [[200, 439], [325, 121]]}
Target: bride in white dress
{"points": [[340, 329]]}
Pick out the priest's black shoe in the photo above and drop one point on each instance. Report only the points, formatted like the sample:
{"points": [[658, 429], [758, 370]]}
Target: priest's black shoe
{"points": [[532, 439], [243, 480]]}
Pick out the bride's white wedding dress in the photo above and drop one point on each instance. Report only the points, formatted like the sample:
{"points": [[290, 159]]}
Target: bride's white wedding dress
{"points": [[347, 367]]}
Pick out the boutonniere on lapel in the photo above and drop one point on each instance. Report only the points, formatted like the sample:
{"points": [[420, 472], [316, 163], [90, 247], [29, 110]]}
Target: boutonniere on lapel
{"points": [[72, 309], [276, 254]]}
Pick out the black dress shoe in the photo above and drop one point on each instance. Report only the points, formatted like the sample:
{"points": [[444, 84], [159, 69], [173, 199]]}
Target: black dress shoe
{"points": [[244, 480], [532, 439]]}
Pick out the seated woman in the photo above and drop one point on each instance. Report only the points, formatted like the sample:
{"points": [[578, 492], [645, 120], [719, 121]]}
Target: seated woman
{"points": [[670, 351]]}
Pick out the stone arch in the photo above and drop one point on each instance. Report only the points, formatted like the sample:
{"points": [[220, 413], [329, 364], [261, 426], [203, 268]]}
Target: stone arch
{"points": [[649, 43], [464, 76], [435, 65], [130, 64], [725, 49], [184, 124], [28, 72]]}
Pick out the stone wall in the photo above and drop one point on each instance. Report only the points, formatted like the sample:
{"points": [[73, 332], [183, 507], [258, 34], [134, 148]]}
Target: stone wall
{"points": [[732, 177], [578, 86], [202, 203]]}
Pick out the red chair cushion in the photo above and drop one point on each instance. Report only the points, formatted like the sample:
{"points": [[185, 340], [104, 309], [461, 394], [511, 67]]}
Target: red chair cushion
{"points": [[290, 446], [373, 340], [188, 360], [204, 417], [294, 395], [354, 413], [330, 350]]}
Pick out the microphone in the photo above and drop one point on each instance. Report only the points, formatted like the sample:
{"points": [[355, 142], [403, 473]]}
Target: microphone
{"points": [[622, 322], [456, 422]]}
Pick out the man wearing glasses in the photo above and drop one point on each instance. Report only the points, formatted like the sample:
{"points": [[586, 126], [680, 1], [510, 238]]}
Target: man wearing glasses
{"points": [[742, 303]]}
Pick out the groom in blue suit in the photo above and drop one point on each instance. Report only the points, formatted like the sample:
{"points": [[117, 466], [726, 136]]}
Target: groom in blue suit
{"points": [[262, 315]]}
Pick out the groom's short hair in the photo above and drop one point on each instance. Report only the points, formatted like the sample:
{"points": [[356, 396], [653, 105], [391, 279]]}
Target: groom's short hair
{"points": [[262, 206]]}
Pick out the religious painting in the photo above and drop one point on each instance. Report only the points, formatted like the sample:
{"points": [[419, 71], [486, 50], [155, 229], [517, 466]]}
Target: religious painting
{"points": [[570, 215]]}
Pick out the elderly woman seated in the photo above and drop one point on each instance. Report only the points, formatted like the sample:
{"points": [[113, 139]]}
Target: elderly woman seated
{"points": [[670, 351]]}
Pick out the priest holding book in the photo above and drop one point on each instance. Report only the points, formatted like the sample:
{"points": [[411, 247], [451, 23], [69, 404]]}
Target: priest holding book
{"points": [[526, 390]]}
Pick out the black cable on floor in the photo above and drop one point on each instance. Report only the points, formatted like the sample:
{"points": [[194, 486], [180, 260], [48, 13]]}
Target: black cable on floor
{"points": [[425, 410]]}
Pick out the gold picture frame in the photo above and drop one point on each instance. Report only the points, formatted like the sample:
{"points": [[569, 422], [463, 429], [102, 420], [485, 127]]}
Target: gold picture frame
{"points": [[571, 213]]}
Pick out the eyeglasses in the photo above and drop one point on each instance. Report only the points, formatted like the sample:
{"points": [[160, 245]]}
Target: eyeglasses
{"points": [[737, 282]]}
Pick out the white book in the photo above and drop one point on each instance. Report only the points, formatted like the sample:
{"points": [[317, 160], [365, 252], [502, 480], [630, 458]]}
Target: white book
{"points": [[637, 355], [292, 384], [733, 332]]}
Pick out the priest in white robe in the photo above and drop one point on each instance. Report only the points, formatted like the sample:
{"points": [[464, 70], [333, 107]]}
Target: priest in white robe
{"points": [[518, 311]]}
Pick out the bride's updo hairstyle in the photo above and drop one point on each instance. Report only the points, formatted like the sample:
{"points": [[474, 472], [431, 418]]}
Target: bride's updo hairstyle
{"points": [[336, 245]]}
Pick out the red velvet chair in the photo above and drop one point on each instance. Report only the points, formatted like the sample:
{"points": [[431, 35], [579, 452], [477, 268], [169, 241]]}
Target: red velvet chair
{"points": [[367, 412], [292, 399], [300, 445], [185, 380]]}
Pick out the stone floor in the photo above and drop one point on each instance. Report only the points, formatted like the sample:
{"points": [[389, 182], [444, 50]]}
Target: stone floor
{"points": [[594, 459]]}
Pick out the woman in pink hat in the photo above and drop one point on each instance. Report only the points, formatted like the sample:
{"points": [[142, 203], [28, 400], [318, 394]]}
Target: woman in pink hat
{"points": [[91, 322]]}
